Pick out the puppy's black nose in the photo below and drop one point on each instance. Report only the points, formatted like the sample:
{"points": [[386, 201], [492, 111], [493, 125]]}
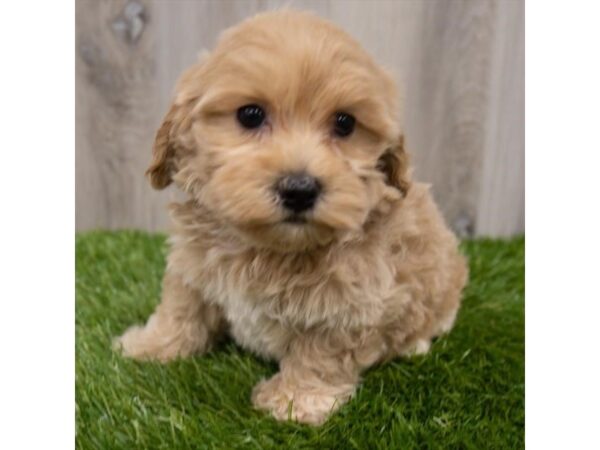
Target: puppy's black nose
{"points": [[298, 192]]}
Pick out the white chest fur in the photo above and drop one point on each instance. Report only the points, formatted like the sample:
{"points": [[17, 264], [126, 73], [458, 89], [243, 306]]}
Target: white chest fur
{"points": [[268, 298]]}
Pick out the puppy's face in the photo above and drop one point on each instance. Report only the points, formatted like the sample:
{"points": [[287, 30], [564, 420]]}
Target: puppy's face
{"points": [[287, 132]]}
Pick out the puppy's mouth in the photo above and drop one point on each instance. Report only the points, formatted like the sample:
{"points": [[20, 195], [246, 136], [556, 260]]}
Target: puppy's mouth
{"points": [[296, 219]]}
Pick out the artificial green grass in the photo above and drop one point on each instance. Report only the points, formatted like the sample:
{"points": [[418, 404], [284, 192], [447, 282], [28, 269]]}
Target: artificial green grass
{"points": [[468, 392]]}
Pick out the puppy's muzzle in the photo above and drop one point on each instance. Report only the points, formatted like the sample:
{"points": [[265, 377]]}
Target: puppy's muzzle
{"points": [[298, 192]]}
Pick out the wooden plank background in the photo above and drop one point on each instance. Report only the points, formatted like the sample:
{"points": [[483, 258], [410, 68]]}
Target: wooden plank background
{"points": [[460, 65]]}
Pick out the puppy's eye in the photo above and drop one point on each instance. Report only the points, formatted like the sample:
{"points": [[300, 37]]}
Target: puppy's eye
{"points": [[344, 124], [251, 116]]}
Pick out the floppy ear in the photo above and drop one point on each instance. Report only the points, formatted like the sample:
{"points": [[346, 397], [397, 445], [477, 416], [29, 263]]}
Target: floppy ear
{"points": [[394, 164], [162, 166], [176, 122]]}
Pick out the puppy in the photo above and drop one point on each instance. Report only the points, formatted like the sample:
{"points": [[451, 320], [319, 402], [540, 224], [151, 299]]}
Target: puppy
{"points": [[302, 236]]}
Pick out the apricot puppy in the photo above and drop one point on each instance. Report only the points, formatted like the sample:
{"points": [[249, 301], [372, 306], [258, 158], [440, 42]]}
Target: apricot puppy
{"points": [[302, 235]]}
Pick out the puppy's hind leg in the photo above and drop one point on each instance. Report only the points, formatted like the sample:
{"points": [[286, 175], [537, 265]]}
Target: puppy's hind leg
{"points": [[446, 323], [182, 325]]}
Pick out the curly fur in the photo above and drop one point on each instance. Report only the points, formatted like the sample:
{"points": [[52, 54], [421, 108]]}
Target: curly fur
{"points": [[373, 274]]}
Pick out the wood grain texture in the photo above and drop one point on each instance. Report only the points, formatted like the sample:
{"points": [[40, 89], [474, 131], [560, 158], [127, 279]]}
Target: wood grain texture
{"points": [[459, 64], [501, 202], [116, 113]]}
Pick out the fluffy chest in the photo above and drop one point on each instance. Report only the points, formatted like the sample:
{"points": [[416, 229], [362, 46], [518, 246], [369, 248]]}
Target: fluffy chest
{"points": [[269, 297], [303, 291]]}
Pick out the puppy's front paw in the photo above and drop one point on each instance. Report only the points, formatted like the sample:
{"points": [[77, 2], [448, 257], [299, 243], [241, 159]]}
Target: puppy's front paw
{"points": [[288, 402], [135, 343], [418, 347], [140, 342]]}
